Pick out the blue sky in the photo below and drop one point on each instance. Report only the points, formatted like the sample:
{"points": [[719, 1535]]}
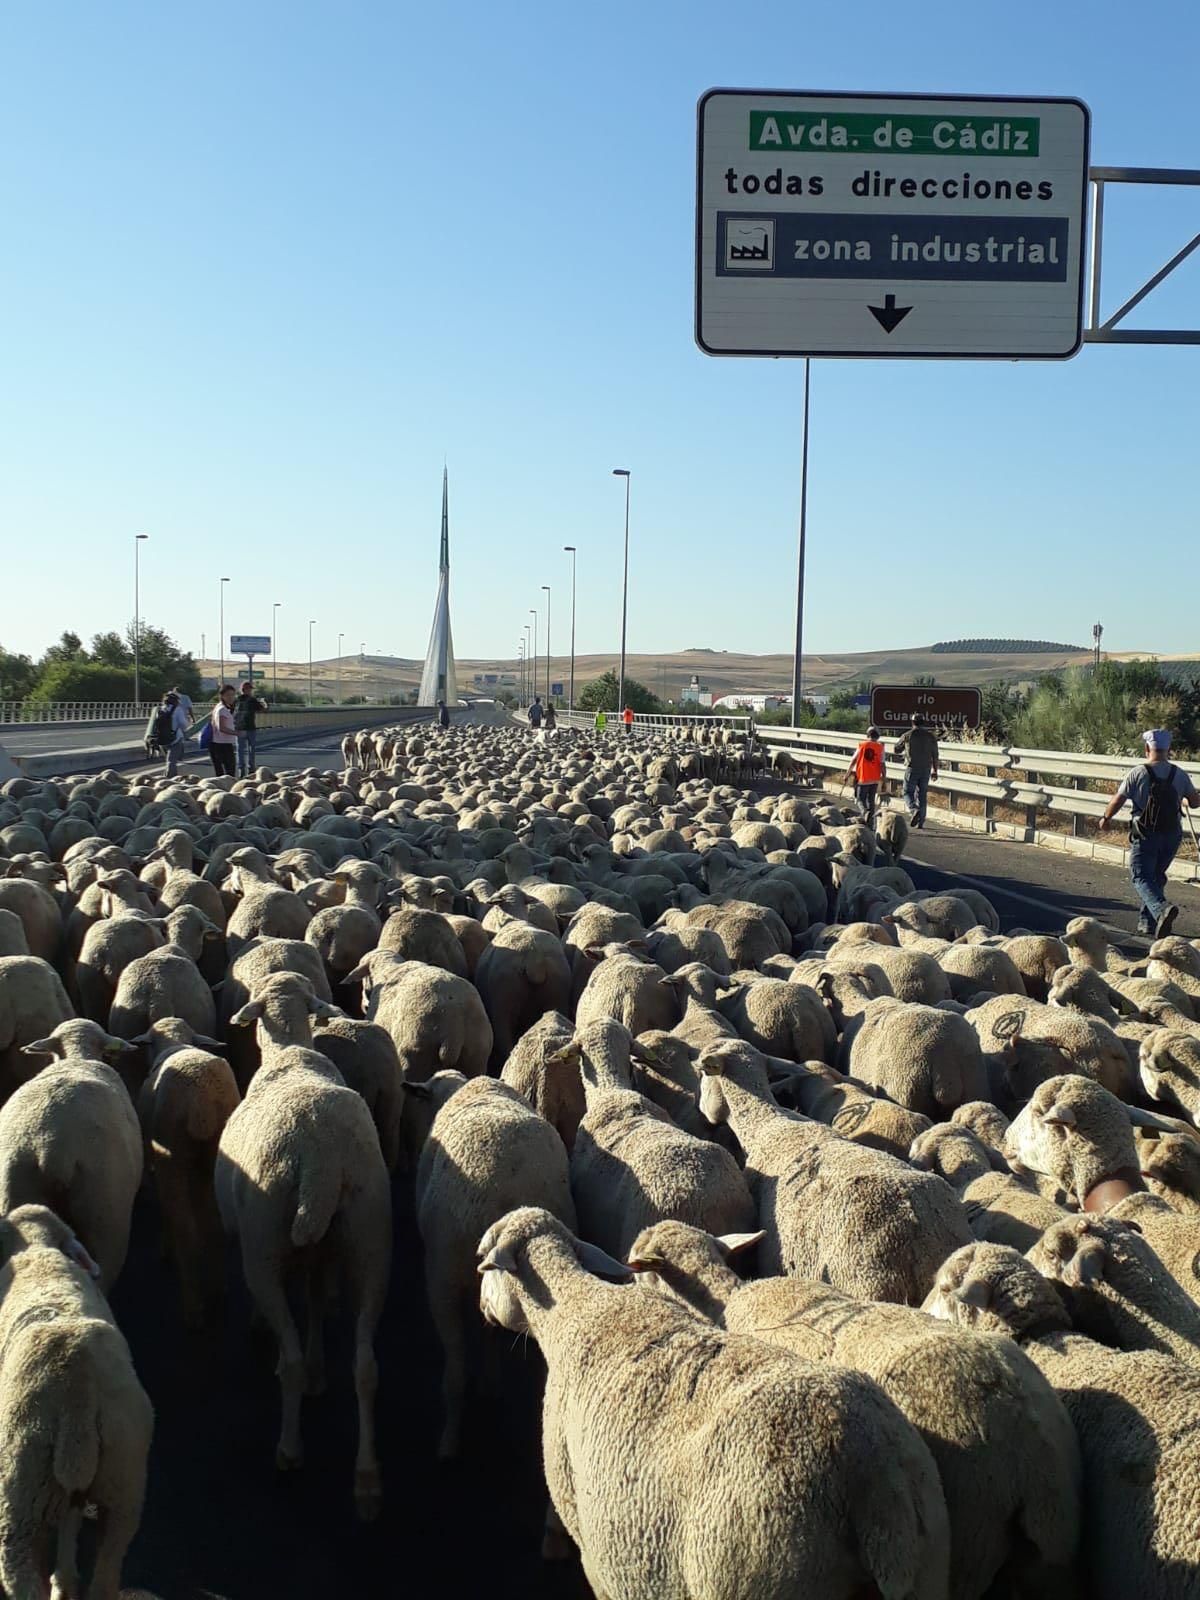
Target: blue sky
{"points": [[266, 264]]}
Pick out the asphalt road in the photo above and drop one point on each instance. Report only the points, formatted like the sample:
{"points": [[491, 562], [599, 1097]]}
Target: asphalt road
{"points": [[27, 739]]}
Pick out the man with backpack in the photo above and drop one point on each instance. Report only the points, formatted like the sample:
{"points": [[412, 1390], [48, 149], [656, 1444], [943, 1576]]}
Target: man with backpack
{"points": [[1157, 790], [168, 730]]}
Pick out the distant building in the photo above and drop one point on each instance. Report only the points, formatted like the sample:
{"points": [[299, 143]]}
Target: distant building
{"points": [[752, 702], [696, 693]]}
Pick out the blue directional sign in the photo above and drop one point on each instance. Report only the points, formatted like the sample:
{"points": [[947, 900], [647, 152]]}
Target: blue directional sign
{"points": [[911, 225]]}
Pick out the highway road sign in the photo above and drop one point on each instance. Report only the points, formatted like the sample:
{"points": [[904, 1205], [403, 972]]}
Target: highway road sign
{"points": [[556, 688], [250, 644], [893, 706], [885, 226]]}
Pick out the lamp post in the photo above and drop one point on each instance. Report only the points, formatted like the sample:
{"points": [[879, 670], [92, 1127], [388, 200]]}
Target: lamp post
{"points": [[623, 472], [275, 604], [221, 640], [341, 636], [137, 624], [528, 677], [533, 614], [546, 589], [570, 550], [362, 672], [520, 669], [312, 622]]}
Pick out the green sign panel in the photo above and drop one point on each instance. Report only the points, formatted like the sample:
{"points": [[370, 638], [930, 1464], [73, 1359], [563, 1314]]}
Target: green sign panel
{"points": [[859, 133]]}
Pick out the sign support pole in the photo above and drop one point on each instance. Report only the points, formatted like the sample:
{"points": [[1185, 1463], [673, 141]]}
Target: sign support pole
{"points": [[798, 660]]}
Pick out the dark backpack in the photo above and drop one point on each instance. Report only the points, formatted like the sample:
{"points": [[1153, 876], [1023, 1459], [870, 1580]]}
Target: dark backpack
{"points": [[164, 726], [1160, 814]]}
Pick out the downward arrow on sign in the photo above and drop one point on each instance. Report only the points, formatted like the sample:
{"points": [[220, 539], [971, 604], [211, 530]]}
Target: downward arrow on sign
{"points": [[889, 315]]}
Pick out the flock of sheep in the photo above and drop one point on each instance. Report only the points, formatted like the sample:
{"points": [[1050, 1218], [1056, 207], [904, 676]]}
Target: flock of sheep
{"points": [[861, 1242]]}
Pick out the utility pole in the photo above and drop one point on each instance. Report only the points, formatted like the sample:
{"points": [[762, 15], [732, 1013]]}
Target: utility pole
{"points": [[1097, 631]]}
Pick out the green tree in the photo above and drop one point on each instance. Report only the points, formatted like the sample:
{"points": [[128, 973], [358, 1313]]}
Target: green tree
{"points": [[81, 679], [68, 648], [163, 665], [601, 695], [111, 649], [17, 675]]}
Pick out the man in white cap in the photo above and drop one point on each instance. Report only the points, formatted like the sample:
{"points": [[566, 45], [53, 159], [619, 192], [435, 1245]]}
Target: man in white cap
{"points": [[1157, 791]]}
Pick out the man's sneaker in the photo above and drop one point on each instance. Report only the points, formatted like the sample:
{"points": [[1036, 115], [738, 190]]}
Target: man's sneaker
{"points": [[1166, 922]]}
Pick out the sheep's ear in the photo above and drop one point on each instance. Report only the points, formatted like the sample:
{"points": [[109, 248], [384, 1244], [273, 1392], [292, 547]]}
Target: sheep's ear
{"points": [[569, 1056], [645, 1261], [43, 1047], [1058, 1116], [500, 1258], [733, 1244], [975, 1292], [594, 952], [600, 1264], [75, 1252], [119, 1047], [321, 1008], [1086, 1266], [203, 1042], [419, 1091], [359, 975], [249, 1013], [643, 1053], [149, 1037]]}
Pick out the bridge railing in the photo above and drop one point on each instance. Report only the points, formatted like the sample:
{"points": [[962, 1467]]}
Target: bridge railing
{"points": [[34, 711], [653, 722]]}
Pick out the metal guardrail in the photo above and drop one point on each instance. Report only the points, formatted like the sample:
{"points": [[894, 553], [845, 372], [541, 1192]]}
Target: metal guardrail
{"points": [[653, 722], [32, 713]]}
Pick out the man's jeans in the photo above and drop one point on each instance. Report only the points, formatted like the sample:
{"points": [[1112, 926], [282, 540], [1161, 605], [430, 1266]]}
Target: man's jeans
{"points": [[916, 792], [867, 794], [1149, 859], [246, 742], [174, 756]]}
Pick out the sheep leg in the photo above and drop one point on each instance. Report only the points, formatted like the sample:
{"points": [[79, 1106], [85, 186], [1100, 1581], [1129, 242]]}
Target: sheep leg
{"points": [[66, 1568], [21, 1573], [314, 1352], [118, 1524], [368, 1491], [266, 1290], [449, 1321]]}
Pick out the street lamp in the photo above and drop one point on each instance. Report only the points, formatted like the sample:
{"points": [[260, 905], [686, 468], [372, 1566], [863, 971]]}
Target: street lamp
{"points": [[221, 640], [623, 472], [341, 636], [546, 591], [137, 626], [312, 622], [570, 550], [533, 614], [521, 669], [274, 650], [528, 680]]}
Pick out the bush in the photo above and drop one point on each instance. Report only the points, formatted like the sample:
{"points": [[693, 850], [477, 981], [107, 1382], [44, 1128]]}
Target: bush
{"points": [[601, 695], [85, 680]]}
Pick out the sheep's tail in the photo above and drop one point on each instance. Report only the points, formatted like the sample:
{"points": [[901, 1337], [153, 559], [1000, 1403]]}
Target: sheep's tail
{"points": [[77, 1431], [904, 1539], [320, 1190]]}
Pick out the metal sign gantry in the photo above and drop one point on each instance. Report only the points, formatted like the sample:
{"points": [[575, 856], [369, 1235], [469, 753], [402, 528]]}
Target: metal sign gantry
{"points": [[1107, 332]]}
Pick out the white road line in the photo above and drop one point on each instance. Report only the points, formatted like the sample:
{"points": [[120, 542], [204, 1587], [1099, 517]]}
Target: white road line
{"points": [[1010, 894]]}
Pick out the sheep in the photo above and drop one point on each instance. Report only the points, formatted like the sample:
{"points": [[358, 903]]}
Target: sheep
{"points": [[281, 1010], [345, 933], [781, 1018], [704, 1423], [1088, 945], [919, 1056], [12, 935], [978, 1403], [1169, 1068], [521, 975], [69, 1139], [543, 1065], [980, 968], [80, 1040], [632, 1166], [487, 1152], [1030, 1042], [892, 831], [630, 990], [249, 969], [185, 1102], [39, 915], [76, 1422], [1115, 1287], [911, 974], [436, 1021], [938, 916], [832, 1209], [163, 983], [367, 1059], [750, 934], [1135, 1415], [826, 1095], [680, 946], [416, 935], [1000, 1208], [986, 1121], [32, 1004], [301, 1184], [1170, 1167], [108, 948]]}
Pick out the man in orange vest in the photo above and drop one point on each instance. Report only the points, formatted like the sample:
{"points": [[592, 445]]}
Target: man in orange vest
{"points": [[866, 769], [627, 717]]}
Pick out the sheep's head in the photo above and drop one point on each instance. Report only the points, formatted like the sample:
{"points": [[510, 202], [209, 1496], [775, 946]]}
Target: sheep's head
{"points": [[1075, 1131], [520, 1257], [191, 930], [735, 1063], [994, 1289], [1087, 942], [696, 981], [848, 990], [79, 1040], [283, 1006], [1169, 1067], [1081, 988], [35, 1227], [1169, 1161], [954, 1153], [690, 1265], [605, 1052], [986, 1121]]}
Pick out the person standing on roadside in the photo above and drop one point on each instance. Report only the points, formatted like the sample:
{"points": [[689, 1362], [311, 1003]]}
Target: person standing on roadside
{"points": [[601, 722], [919, 747], [222, 748], [245, 721], [443, 714], [171, 734], [1157, 790], [185, 700], [550, 721], [867, 770], [536, 713], [627, 719]]}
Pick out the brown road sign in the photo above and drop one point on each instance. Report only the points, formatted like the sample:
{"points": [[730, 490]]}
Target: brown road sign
{"points": [[893, 706]]}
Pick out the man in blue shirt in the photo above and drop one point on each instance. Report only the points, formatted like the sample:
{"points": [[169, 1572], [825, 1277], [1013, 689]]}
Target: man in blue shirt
{"points": [[1157, 791]]}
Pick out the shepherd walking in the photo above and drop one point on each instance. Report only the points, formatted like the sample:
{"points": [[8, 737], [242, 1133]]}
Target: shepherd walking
{"points": [[1158, 791]]}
